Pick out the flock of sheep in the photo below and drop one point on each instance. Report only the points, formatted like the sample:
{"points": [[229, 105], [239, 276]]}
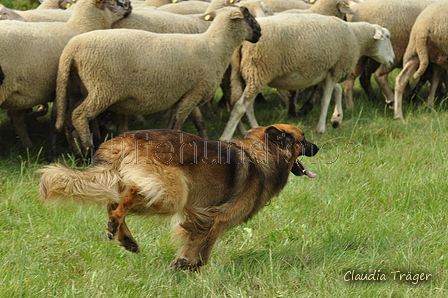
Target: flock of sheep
{"points": [[87, 57]]}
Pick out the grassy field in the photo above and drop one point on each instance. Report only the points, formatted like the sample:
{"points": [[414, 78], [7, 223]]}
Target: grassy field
{"points": [[20, 4], [376, 210]]}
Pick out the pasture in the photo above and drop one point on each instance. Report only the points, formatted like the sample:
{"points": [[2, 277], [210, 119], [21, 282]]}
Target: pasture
{"points": [[377, 210]]}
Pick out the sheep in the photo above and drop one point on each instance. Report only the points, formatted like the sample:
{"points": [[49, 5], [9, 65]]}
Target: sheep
{"points": [[51, 14], [51, 4], [298, 51], [162, 22], [428, 42], [282, 5], [28, 68], [46, 15], [398, 16], [165, 22], [337, 8], [155, 3], [186, 7], [172, 71], [10, 14]]}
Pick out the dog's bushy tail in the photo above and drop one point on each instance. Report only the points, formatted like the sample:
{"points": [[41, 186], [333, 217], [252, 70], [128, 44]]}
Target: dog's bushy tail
{"points": [[93, 185]]}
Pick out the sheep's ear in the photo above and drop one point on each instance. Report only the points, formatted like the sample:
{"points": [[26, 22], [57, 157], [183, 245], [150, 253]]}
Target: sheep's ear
{"points": [[210, 16], [352, 4], [101, 4], [378, 34], [238, 14], [279, 136], [344, 8], [231, 2]]}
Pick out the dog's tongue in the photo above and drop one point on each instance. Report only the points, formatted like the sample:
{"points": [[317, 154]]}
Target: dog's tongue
{"points": [[305, 171]]}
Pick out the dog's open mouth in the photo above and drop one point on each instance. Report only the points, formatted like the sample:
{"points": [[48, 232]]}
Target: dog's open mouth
{"points": [[299, 169]]}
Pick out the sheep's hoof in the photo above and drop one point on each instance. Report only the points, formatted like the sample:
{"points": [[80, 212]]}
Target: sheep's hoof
{"points": [[400, 118], [335, 124]]}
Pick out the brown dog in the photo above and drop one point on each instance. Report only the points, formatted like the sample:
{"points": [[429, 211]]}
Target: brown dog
{"points": [[207, 186]]}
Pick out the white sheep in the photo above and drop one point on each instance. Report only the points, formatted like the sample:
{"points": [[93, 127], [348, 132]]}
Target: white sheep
{"points": [[29, 55], [158, 21], [282, 5], [51, 4], [10, 14], [186, 7], [337, 8], [428, 42], [171, 71], [398, 16], [297, 51], [46, 15], [165, 22], [155, 3], [41, 14]]}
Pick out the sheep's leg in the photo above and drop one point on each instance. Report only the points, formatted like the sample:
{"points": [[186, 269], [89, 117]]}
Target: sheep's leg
{"points": [[349, 83], [336, 119], [198, 121], [18, 120], [250, 113], [52, 136], [292, 95], [182, 110], [241, 128], [329, 85], [401, 82], [117, 225], [237, 113], [381, 77], [91, 107], [284, 95], [435, 80]]}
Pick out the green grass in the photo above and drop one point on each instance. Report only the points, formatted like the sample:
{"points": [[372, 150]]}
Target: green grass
{"points": [[379, 203], [20, 4]]}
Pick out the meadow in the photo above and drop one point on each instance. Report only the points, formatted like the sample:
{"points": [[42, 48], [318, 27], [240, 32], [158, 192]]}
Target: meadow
{"points": [[376, 211]]}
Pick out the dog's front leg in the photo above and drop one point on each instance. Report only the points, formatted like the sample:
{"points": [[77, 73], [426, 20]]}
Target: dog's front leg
{"points": [[197, 249], [117, 225]]}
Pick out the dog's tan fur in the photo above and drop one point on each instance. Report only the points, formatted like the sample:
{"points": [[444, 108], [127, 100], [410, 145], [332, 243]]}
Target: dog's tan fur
{"points": [[208, 186]]}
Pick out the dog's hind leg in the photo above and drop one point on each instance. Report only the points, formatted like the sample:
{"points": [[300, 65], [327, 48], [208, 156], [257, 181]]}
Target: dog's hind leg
{"points": [[117, 225], [125, 238]]}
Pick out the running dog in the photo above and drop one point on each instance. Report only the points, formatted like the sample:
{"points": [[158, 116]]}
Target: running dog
{"points": [[206, 186]]}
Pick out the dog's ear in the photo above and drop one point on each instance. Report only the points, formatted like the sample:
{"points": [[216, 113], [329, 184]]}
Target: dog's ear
{"points": [[279, 136]]}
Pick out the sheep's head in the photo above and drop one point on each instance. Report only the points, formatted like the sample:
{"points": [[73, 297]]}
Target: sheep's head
{"points": [[9, 14], [252, 22], [384, 52], [238, 13], [121, 8], [257, 8], [64, 4]]}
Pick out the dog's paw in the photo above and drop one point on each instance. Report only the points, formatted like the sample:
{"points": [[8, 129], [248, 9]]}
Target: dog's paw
{"points": [[111, 230], [130, 245], [184, 264]]}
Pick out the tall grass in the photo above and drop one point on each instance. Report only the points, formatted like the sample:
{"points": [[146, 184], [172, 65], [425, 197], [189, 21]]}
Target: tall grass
{"points": [[379, 203]]}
